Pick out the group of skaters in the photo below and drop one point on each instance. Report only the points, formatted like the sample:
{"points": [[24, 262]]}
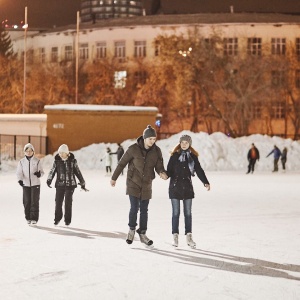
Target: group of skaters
{"points": [[143, 159], [253, 156]]}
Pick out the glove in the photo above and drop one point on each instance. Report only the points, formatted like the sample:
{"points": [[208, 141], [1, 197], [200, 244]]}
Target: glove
{"points": [[49, 183], [37, 174], [21, 182]]}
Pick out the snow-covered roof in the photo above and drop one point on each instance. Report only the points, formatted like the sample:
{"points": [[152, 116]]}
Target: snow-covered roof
{"points": [[92, 107], [23, 117]]}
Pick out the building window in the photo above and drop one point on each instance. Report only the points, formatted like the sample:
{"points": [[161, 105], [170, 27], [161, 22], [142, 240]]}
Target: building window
{"points": [[120, 79], [256, 110], [120, 52], [42, 55], [68, 53], [278, 78], [278, 110], [54, 54], [297, 79], [230, 46], [278, 46], [140, 77], [254, 46], [140, 49], [298, 48], [100, 50], [84, 51]]}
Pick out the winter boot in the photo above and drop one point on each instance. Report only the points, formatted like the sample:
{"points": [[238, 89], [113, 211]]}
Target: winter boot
{"points": [[143, 238], [130, 236], [175, 240], [189, 240]]}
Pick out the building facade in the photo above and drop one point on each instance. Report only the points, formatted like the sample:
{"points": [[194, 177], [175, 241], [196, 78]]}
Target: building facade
{"points": [[126, 38]]}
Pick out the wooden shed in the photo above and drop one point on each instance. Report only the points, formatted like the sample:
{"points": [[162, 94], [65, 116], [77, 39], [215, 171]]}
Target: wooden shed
{"points": [[83, 124]]}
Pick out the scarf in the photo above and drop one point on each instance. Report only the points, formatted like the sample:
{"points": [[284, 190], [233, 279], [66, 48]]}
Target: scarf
{"points": [[191, 163]]}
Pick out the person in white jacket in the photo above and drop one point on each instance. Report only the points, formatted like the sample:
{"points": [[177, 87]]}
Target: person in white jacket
{"points": [[108, 161], [29, 171]]}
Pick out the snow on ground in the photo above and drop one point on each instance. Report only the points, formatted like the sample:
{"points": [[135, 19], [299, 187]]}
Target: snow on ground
{"points": [[246, 229]]}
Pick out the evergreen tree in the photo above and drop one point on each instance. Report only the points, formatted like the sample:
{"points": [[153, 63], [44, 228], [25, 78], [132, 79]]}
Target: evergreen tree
{"points": [[5, 44]]}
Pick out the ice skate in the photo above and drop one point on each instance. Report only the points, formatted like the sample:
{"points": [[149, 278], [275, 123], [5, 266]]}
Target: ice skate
{"points": [[175, 240], [33, 222], [28, 222], [189, 240], [130, 236], [144, 239]]}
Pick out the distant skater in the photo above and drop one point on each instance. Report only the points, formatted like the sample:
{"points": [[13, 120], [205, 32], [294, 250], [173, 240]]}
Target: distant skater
{"points": [[108, 161], [284, 158], [65, 168], [253, 155], [29, 171], [119, 153], [276, 153]]}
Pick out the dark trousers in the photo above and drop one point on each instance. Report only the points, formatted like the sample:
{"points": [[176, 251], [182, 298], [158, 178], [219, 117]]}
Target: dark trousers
{"points": [[135, 205], [31, 201], [276, 164], [283, 161], [251, 165], [61, 195]]}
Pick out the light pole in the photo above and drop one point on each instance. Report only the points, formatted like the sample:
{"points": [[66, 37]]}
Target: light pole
{"points": [[77, 58], [25, 26]]}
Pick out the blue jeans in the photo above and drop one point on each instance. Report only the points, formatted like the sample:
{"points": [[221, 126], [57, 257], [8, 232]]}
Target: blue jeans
{"points": [[187, 209], [135, 205]]}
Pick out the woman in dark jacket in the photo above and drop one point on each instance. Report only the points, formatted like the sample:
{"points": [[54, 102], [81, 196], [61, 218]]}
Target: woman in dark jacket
{"points": [[181, 167], [66, 168]]}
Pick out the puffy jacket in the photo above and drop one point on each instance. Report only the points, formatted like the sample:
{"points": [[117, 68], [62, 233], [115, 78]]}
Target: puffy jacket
{"points": [[26, 169], [66, 171], [181, 186], [141, 166]]}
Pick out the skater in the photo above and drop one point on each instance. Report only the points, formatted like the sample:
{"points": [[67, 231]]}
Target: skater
{"points": [[108, 161], [143, 158], [284, 158], [181, 167], [119, 152], [253, 155], [277, 153], [29, 171], [66, 168]]}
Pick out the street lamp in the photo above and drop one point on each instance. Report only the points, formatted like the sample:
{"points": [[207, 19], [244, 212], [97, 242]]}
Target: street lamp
{"points": [[25, 27]]}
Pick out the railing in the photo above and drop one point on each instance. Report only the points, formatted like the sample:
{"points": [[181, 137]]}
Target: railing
{"points": [[12, 146]]}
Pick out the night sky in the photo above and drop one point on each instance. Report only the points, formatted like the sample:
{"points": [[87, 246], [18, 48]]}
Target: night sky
{"points": [[50, 13]]}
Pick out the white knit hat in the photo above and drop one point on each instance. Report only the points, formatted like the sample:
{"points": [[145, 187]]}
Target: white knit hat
{"points": [[28, 146], [63, 149]]}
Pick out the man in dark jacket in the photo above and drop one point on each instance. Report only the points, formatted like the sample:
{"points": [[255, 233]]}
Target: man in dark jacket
{"points": [[277, 153], [143, 158], [66, 167], [253, 155]]}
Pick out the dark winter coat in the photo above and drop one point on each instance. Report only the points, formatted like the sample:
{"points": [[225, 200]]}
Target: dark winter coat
{"points": [[141, 166], [256, 154], [66, 171], [181, 186]]}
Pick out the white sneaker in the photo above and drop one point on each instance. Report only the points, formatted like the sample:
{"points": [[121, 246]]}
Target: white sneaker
{"points": [[175, 240], [130, 236], [28, 222], [189, 240], [33, 222]]}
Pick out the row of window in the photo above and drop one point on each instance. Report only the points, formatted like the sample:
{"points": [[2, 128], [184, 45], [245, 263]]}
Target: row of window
{"points": [[254, 46]]}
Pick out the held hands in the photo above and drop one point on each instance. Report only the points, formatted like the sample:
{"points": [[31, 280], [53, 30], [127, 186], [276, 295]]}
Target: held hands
{"points": [[37, 174], [21, 182], [49, 183], [207, 186], [163, 175]]}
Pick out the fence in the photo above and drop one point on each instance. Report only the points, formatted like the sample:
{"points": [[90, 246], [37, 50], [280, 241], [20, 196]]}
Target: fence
{"points": [[12, 146]]}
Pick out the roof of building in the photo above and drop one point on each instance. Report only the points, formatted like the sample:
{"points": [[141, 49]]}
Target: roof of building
{"points": [[189, 19]]}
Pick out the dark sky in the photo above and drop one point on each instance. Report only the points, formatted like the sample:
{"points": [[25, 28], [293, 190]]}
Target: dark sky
{"points": [[49, 13]]}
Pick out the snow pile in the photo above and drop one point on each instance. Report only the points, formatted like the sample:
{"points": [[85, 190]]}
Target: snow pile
{"points": [[218, 152]]}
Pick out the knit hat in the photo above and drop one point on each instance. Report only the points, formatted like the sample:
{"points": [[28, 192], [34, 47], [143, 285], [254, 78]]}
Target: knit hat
{"points": [[28, 146], [149, 132], [186, 138], [63, 149]]}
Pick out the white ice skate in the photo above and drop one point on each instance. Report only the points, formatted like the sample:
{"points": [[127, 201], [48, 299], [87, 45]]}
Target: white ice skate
{"points": [[175, 240], [189, 240]]}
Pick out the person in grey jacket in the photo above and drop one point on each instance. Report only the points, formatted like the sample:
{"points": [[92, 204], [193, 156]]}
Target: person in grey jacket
{"points": [[29, 171], [66, 167], [143, 159]]}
